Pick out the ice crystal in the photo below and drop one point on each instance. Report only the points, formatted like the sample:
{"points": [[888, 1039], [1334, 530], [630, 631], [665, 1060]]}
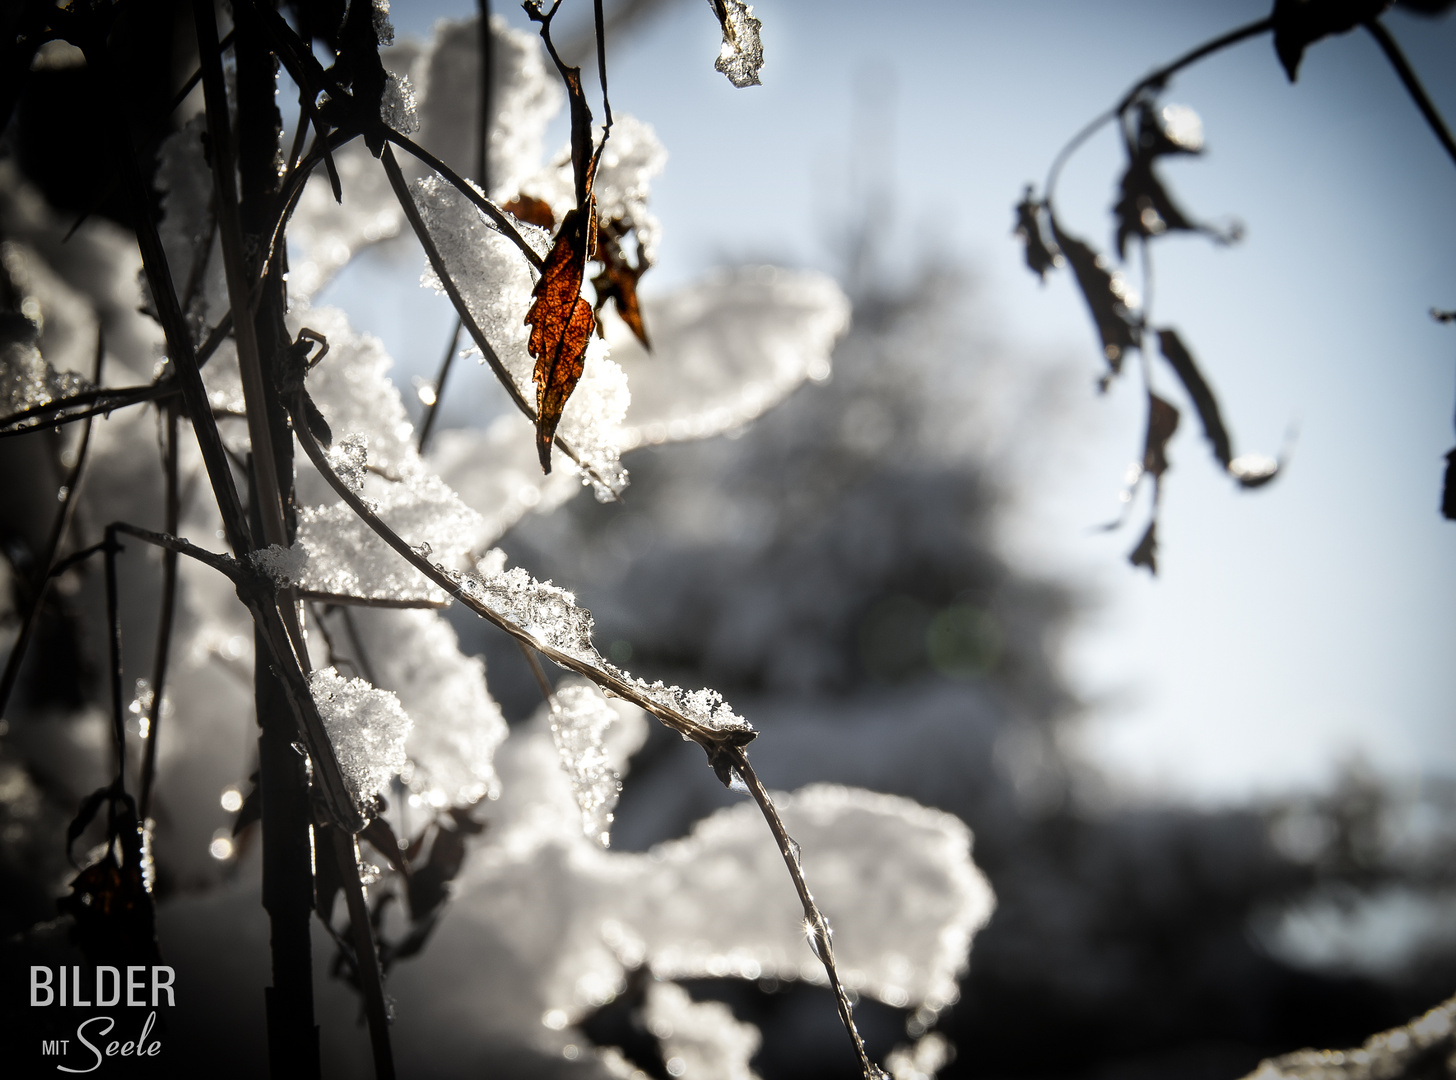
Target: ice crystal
{"points": [[398, 107], [725, 350], [496, 283], [741, 55], [350, 460], [367, 728], [457, 724], [579, 725], [549, 614], [447, 78], [27, 381], [285, 566]]}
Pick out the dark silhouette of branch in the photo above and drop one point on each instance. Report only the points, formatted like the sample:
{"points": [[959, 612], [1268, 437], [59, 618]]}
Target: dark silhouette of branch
{"points": [[1412, 85]]}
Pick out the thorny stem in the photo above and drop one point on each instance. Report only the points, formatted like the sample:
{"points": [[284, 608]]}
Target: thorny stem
{"points": [[1154, 79], [715, 741], [1412, 85], [164, 622], [817, 926], [47, 566]]}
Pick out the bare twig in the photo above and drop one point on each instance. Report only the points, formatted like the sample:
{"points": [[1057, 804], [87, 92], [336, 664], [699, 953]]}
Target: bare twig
{"points": [[366, 954], [816, 927]]}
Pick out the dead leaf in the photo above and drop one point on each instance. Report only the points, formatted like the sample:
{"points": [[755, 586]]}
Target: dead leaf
{"points": [[618, 279], [1198, 389], [1162, 422], [1107, 296], [532, 211], [1146, 552], [1039, 257], [561, 324]]}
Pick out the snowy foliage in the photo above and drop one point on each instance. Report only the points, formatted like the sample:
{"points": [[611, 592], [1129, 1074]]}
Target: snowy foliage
{"points": [[367, 728]]}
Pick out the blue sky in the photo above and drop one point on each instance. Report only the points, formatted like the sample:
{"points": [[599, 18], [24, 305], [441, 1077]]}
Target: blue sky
{"points": [[1292, 629]]}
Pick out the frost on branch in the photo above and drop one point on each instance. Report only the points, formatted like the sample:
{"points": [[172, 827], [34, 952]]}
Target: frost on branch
{"points": [[496, 283], [457, 724], [26, 380], [1422, 1049], [726, 349], [367, 728], [579, 724], [399, 107], [447, 78], [741, 56]]}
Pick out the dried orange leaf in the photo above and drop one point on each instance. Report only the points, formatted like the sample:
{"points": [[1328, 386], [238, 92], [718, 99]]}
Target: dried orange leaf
{"points": [[618, 280], [561, 323], [532, 211]]}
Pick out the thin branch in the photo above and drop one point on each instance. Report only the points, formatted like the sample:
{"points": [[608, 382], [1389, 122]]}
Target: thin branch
{"points": [[53, 413], [47, 565], [366, 954], [164, 622], [438, 387], [1412, 85], [255, 392], [499, 218], [821, 938]]}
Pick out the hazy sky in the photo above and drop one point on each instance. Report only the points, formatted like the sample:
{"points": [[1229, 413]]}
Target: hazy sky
{"points": [[1291, 629]]}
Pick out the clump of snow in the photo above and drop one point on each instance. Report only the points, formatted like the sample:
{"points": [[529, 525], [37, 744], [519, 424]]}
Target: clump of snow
{"points": [[579, 724], [1400, 1052], [350, 460], [726, 349], [398, 107], [457, 724], [367, 728], [284, 565]]}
